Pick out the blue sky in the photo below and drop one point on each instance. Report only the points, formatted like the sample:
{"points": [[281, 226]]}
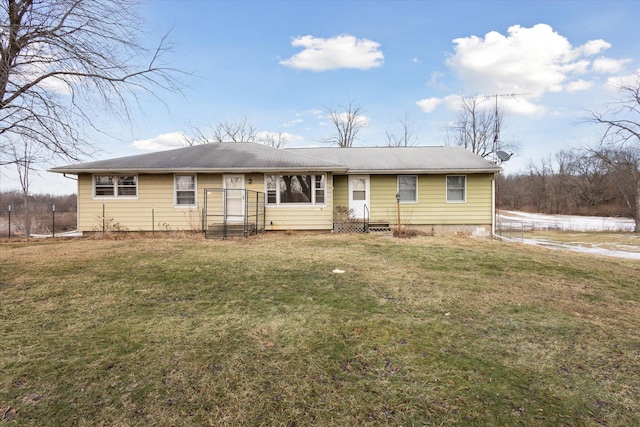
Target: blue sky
{"points": [[281, 64]]}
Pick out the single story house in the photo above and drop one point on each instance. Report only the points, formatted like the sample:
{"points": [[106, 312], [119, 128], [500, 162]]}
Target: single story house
{"points": [[441, 189]]}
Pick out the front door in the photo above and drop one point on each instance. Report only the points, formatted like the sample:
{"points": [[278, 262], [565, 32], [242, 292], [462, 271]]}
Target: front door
{"points": [[234, 197], [359, 195]]}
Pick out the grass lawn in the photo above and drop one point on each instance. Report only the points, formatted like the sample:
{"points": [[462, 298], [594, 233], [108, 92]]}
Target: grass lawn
{"points": [[260, 331]]}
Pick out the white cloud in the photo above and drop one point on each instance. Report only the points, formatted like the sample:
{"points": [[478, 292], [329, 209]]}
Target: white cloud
{"points": [[344, 118], [608, 65], [578, 85], [594, 46], [302, 116], [630, 80], [520, 105], [529, 61], [286, 137], [292, 123], [343, 51], [429, 104], [435, 80], [510, 104], [165, 141]]}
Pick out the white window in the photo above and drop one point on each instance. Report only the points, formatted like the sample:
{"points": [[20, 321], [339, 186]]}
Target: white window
{"points": [[319, 189], [408, 188], [272, 189], [456, 189], [115, 186], [359, 188], [103, 185], [185, 188], [296, 189]]}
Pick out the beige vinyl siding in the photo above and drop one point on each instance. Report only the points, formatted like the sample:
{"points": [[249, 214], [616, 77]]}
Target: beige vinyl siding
{"points": [[156, 195], [299, 218], [155, 208], [432, 206], [341, 190], [302, 217]]}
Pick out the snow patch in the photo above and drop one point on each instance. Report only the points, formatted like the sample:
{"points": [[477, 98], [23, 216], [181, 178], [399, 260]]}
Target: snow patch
{"points": [[517, 220]]}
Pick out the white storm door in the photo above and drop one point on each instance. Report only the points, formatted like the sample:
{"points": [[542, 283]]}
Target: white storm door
{"points": [[359, 195], [234, 201]]}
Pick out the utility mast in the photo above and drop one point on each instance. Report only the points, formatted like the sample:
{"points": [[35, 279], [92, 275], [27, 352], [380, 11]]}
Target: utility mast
{"points": [[496, 122]]}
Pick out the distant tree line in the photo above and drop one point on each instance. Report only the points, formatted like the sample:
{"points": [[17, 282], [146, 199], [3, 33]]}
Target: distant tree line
{"points": [[40, 213], [573, 182]]}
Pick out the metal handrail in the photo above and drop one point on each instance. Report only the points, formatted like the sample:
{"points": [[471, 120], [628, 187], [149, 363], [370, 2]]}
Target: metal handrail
{"points": [[366, 218], [254, 218]]}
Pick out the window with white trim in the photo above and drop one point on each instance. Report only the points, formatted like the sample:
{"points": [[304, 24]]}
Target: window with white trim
{"points": [[296, 189], [456, 189], [408, 188], [185, 188], [115, 186]]}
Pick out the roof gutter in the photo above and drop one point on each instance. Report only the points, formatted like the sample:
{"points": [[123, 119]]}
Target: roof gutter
{"points": [[276, 170], [65, 171], [419, 172]]}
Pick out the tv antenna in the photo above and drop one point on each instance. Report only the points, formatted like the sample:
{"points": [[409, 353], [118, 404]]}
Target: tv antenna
{"points": [[503, 157]]}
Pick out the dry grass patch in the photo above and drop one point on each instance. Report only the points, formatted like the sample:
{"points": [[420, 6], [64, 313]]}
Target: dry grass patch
{"points": [[629, 242], [183, 331]]}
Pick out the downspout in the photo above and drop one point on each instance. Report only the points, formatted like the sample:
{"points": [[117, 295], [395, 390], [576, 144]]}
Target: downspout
{"points": [[493, 206], [77, 198]]}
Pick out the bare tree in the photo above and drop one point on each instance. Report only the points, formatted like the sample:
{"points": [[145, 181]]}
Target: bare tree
{"points": [[619, 146], [478, 126], [65, 63], [348, 121], [26, 155], [586, 179], [407, 135], [240, 131], [541, 190], [274, 139]]}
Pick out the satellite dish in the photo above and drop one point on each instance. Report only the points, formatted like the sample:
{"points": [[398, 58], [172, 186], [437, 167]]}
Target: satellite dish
{"points": [[503, 156]]}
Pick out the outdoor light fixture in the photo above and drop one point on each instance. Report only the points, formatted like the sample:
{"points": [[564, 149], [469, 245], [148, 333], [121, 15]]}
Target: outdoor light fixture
{"points": [[398, 197]]}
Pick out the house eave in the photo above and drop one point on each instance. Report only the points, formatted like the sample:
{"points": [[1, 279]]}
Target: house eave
{"points": [[420, 171], [153, 171], [156, 171]]}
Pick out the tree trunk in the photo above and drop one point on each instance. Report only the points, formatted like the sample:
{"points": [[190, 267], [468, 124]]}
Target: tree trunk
{"points": [[27, 217], [636, 215]]}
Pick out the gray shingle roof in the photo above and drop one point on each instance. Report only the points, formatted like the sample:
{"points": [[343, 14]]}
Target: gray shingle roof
{"points": [[381, 160], [225, 157], [251, 157]]}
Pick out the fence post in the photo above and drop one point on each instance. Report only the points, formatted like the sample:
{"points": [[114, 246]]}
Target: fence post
{"points": [[103, 219], [53, 221], [9, 221], [153, 219]]}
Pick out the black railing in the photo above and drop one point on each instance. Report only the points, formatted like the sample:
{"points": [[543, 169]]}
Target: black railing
{"points": [[353, 225], [366, 218], [233, 213]]}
